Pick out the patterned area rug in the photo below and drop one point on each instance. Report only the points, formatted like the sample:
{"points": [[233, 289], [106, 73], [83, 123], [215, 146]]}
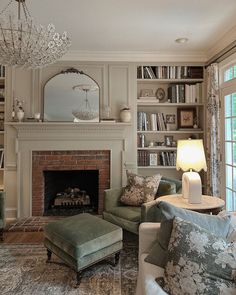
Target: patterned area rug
{"points": [[24, 271]]}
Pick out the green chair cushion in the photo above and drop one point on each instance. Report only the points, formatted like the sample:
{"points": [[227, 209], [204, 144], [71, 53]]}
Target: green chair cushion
{"points": [[82, 234], [130, 213]]}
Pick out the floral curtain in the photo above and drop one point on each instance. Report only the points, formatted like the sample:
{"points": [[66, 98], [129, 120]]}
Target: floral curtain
{"points": [[213, 131]]}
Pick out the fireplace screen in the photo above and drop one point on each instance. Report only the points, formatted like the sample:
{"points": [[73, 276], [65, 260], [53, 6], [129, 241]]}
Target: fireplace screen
{"points": [[70, 192]]}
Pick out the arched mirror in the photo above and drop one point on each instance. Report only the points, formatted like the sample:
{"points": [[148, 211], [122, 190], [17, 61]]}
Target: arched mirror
{"points": [[71, 96]]}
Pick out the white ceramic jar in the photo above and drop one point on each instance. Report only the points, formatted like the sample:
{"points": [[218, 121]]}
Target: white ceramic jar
{"points": [[125, 115], [20, 115]]}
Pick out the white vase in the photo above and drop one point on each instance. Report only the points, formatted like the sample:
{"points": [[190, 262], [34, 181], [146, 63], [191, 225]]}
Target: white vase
{"points": [[125, 116], [20, 115]]}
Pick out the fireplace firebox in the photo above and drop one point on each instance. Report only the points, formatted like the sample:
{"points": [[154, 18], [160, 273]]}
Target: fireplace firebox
{"points": [[70, 192]]}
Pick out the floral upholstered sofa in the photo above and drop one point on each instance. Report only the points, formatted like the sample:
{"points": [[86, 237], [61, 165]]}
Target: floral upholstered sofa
{"points": [[188, 253]]}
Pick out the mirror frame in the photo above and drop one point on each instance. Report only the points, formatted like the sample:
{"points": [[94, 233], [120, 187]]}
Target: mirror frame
{"points": [[70, 71]]}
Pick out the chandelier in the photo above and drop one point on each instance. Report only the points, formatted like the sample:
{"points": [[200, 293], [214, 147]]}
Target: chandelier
{"points": [[85, 112], [26, 44]]}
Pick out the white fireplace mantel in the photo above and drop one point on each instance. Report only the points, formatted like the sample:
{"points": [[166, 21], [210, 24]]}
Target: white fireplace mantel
{"points": [[59, 136]]}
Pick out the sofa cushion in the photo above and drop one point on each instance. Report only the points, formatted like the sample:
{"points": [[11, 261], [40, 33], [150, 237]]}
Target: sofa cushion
{"points": [[215, 224], [127, 212], [140, 189], [199, 262], [166, 188]]}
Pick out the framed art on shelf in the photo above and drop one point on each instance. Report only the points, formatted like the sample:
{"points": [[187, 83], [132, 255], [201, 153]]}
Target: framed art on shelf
{"points": [[185, 117], [153, 159], [168, 140]]}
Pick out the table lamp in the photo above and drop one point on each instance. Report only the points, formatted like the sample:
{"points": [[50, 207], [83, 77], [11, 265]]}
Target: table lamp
{"points": [[191, 156]]}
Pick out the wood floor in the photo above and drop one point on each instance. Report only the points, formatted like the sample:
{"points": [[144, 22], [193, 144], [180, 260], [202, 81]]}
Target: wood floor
{"points": [[23, 237]]}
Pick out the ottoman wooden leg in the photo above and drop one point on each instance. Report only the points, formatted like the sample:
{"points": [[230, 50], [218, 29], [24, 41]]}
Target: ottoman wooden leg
{"points": [[116, 259], [1, 234], [78, 277], [49, 254]]}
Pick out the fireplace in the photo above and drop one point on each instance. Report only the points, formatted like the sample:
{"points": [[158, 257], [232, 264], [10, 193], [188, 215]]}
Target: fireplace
{"points": [[70, 192], [55, 173]]}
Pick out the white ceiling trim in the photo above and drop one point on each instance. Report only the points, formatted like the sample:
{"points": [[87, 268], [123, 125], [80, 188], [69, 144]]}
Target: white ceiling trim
{"points": [[132, 56]]}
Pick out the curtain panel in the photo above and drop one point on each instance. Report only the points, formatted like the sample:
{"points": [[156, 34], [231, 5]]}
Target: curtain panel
{"points": [[213, 131]]}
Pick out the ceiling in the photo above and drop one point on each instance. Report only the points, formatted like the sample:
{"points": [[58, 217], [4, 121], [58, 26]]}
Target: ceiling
{"points": [[137, 25]]}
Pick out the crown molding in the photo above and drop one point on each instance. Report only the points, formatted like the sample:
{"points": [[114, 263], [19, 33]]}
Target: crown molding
{"points": [[135, 56], [222, 43]]}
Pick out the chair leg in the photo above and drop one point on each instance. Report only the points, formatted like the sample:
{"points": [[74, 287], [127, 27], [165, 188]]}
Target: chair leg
{"points": [[49, 254], [116, 259], [78, 277], [1, 234]]}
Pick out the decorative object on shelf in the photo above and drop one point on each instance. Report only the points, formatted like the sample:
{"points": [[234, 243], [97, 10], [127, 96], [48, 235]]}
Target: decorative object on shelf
{"points": [[168, 140], [125, 115], [85, 112], [185, 117], [147, 94], [191, 156], [170, 119], [26, 44], [20, 114], [153, 159], [37, 117], [160, 94]]}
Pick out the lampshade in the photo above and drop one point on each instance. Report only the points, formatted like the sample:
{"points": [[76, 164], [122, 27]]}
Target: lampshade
{"points": [[190, 155]]}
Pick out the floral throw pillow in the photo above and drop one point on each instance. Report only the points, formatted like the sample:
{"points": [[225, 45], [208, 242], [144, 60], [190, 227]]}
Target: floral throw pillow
{"points": [[199, 262], [140, 189]]}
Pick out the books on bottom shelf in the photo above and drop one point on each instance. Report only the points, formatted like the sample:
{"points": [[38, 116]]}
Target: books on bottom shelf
{"points": [[147, 158], [1, 159]]}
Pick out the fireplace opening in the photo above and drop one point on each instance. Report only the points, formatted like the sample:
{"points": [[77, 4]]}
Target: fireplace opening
{"points": [[70, 192]]}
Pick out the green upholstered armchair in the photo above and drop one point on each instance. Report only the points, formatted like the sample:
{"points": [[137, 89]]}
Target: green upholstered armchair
{"points": [[2, 214], [129, 217]]}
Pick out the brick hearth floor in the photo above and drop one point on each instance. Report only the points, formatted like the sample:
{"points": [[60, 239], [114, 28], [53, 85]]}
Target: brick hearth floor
{"points": [[31, 224]]}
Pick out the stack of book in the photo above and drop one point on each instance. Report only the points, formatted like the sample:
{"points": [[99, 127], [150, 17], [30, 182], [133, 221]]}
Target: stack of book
{"points": [[168, 158], [170, 72], [151, 121], [185, 93], [143, 158]]}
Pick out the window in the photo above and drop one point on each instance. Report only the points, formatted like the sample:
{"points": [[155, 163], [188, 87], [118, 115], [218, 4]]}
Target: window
{"points": [[228, 123]]}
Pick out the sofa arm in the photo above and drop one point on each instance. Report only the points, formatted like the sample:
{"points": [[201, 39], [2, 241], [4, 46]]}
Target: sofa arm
{"points": [[2, 206], [148, 232], [111, 198]]}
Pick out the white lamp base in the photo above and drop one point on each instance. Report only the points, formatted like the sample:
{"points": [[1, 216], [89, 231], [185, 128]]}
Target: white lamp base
{"points": [[192, 187]]}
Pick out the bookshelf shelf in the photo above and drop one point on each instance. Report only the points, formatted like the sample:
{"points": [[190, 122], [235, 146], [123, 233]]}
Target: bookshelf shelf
{"points": [[156, 167], [164, 93]]}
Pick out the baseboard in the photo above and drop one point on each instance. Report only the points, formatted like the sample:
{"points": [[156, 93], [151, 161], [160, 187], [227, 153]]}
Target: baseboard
{"points": [[11, 214]]}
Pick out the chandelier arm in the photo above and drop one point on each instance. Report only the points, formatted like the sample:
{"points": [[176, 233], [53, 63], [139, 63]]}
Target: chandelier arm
{"points": [[12, 37], [6, 7], [26, 11], [4, 39]]}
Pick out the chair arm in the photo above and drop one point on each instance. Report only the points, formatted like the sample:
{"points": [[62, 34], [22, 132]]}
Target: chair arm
{"points": [[148, 232], [150, 212], [111, 198], [2, 206]]}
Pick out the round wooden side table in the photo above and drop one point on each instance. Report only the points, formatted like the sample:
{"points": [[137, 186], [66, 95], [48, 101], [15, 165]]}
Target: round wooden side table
{"points": [[209, 204]]}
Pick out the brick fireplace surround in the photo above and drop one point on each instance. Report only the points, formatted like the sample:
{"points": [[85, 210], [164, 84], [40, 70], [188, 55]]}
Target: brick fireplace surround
{"points": [[68, 160]]}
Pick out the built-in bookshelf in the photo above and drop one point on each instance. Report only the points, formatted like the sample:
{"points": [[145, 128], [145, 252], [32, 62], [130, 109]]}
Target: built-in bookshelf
{"points": [[2, 119], [170, 106]]}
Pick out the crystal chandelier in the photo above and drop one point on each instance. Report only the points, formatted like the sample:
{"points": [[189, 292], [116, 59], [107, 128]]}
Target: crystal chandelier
{"points": [[26, 44], [85, 112]]}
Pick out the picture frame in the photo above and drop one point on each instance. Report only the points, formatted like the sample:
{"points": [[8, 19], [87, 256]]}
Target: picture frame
{"points": [[186, 117], [153, 159], [170, 119], [146, 93], [168, 139]]}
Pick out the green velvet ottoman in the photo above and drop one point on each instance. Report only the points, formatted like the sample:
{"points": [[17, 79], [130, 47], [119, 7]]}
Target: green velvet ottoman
{"points": [[82, 240]]}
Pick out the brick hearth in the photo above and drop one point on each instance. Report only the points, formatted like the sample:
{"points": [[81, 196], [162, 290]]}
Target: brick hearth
{"points": [[68, 160]]}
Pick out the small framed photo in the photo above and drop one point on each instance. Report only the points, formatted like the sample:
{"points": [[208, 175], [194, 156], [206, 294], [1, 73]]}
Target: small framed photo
{"points": [[170, 119], [147, 93], [185, 117], [153, 159], [168, 140]]}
